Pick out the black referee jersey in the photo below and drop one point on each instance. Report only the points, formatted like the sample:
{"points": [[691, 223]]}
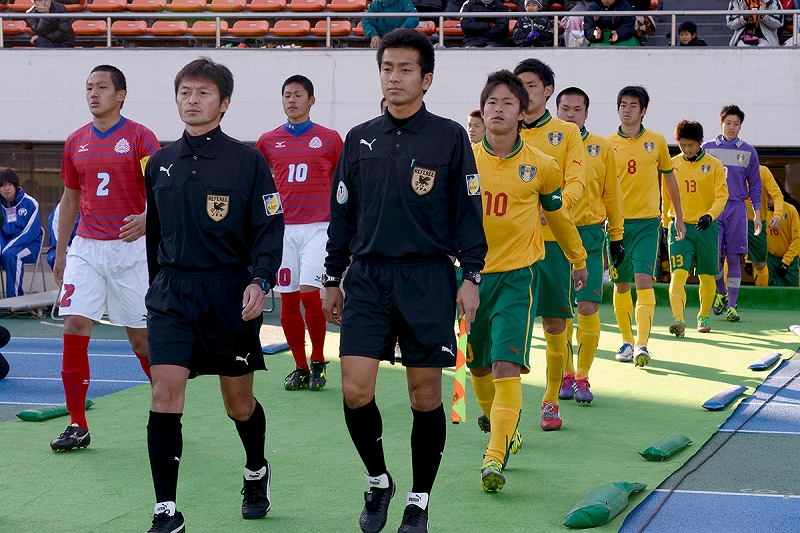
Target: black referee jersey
{"points": [[406, 192], [214, 210]]}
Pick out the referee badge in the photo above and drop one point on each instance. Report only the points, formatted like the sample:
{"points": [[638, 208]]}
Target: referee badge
{"points": [[217, 206], [706, 169], [422, 180], [527, 172], [555, 137], [649, 146], [272, 204], [473, 184], [593, 149], [341, 193]]}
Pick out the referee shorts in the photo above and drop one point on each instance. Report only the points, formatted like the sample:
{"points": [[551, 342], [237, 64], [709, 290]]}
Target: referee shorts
{"points": [[194, 320]]}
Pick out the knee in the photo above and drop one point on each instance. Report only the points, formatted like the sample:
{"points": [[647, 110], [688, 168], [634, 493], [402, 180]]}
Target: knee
{"points": [[554, 326], [241, 410], [140, 347], [426, 397], [356, 395], [587, 308], [166, 399]]}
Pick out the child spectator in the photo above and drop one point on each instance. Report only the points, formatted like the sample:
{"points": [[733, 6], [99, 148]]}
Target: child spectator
{"points": [[376, 28], [482, 32], [610, 29], [21, 236], [687, 33], [533, 31]]}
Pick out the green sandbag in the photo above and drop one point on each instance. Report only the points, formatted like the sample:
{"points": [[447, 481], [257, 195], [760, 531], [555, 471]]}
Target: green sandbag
{"points": [[46, 413], [665, 448], [601, 504]]}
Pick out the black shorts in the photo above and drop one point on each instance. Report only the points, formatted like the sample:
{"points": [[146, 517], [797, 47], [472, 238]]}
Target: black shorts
{"points": [[195, 321], [413, 303]]}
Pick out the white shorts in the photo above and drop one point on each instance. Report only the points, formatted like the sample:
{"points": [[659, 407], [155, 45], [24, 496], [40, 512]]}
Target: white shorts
{"points": [[106, 275], [303, 256]]}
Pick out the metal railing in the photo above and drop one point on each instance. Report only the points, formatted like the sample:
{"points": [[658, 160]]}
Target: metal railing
{"points": [[329, 16]]}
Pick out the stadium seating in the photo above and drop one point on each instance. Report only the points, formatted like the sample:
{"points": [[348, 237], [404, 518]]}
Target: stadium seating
{"points": [[249, 28], [266, 5], [227, 5], [89, 28], [426, 27], [147, 5], [208, 28], [20, 6], [306, 6], [15, 27], [359, 29], [168, 28], [452, 28], [102, 6], [129, 28], [291, 28], [76, 8], [339, 28], [348, 5], [187, 5]]}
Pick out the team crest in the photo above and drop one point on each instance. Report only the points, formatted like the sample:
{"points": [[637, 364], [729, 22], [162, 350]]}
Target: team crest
{"points": [[706, 169], [217, 206], [527, 172], [649, 146], [341, 193], [473, 185], [593, 149], [272, 204], [123, 146], [316, 142], [422, 180], [22, 211], [740, 158], [555, 137]]}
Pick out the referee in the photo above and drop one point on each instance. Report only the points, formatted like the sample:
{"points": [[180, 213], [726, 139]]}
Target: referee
{"points": [[405, 196], [213, 214]]}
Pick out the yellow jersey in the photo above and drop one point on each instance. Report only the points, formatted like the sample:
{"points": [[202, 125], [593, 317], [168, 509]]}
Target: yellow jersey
{"points": [[514, 188], [702, 186], [785, 242], [602, 197], [639, 160], [768, 187]]}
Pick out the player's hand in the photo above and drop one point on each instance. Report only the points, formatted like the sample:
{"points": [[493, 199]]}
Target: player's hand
{"points": [[617, 252], [134, 227], [374, 42], [775, 223], [580, 277], [332, 306], [468, 302], [253, 302], [58, 269], [757, 227], [680, 230], [703, 223], [782, 270]]}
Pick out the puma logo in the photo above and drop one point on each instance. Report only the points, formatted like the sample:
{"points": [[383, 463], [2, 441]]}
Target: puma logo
{"points": [[515, 350], [162, 169], [363, 141], [243, 359]]}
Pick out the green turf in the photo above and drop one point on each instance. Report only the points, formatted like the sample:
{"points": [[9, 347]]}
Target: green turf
{"points": [[318, 481]]}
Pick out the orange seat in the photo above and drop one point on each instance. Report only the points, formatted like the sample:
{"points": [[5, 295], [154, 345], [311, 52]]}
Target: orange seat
{"points": [[208, 28], [339, 28], [132, 28], [187, 5], [426, 27], [76, 8], [227, 5], [266, 5], [291, 28], [15, 27], [452, 28], [89, 27], [20, 6], [107, 5], [654, 4], [3, 7], [250, 28], [511, 6], [348, 5], [359, 29], [147, 5], [168, 28], [555, 6], [305, 6], [511, 24]]}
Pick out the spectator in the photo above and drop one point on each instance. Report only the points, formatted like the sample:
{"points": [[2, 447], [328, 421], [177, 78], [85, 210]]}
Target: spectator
{"points": [[687, 33], [476, 128], [613, 30], [533, 31], [21, 236], [52, 230], [426, 6], [482, 32], [50, 32], [376, 28], [573, 31], [755, 30]]}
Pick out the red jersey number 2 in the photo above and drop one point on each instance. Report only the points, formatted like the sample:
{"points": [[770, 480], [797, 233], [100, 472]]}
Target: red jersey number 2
{"points": [[68, 290]]}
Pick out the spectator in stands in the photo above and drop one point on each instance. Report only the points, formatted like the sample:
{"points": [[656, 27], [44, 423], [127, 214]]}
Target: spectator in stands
{"points": [[424, 6], [687, 33], [533, 30], [476, 128], [21, 235], [52, 231], [376, 28], [755, 30], [51, 32], [610, 29], [482, 32]]}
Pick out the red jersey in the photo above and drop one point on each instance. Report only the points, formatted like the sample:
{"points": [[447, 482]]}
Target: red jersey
{"points": [[107, 168], [303, 161]]}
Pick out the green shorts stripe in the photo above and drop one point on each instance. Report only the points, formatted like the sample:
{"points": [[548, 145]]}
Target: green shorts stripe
{"points": [[641, 250], [555, 283], [702, 246], [757, 244], [593, 238]]}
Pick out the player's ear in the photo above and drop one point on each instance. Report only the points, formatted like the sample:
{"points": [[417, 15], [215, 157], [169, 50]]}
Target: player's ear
{"points": [[548, 91], [427, 81], [121, 95], [224, 104], [311, 101]]}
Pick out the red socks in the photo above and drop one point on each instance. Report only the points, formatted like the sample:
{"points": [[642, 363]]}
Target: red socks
{"points": [[75, 376], [145, 362], [315, 320], [294, 327]]}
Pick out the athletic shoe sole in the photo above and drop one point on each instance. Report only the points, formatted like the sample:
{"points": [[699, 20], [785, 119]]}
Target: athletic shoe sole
{"points": [[492, 480]]}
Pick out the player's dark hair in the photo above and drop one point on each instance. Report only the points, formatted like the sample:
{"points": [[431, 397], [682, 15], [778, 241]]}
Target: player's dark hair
{"points": [[300, 80], [577, 92], [206, 69], [476, 114], [635, 91], [539, 68], [688, 25], [731, 110], [9, 176], [117, 78], [690, 130], [412, 39], [510, 80]]}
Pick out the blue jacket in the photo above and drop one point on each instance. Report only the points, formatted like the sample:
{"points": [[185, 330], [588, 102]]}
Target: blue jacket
{"points": [[52, 232], [382, 26], [21, 226]]}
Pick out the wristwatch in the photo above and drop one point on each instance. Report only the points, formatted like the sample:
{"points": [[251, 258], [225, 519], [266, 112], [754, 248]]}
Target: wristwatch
{"points": [[330, 281], [261, 282], [475, 277]]}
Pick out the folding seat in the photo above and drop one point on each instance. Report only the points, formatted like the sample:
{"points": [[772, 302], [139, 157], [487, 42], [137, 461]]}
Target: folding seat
{"points": [[359, 29], [15, 27], [305, 6], [511, 24], [227, 5], [511, 6], [168, 28], [452, 28], [89, 28], [103, 6], [187, 5], [249, 28], [20, 6], [339, 28], [147, 5], [291, 28], [129, 28], [76, 8], [426, 27], [348, 5], [208, 28], [266, 5], [556, 6]]}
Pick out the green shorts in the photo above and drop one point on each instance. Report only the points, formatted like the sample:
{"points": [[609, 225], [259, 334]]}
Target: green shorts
{"points": [[641, 250], [555, 283], [791, 278], [703, 246], [593, 238], [504, 321], [757, 244]]}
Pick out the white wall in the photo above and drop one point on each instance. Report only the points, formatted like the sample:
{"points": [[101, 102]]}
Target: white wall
{"points": [[41, 91]]}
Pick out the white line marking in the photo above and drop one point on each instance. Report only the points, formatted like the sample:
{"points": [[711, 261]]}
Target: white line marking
{"points": [[760, 432], [716, 493], [93, 380], [58, 354]]}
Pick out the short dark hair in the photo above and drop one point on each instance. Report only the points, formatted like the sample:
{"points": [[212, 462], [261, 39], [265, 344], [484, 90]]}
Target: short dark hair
{"points": [[688, 25], [206, 69], [690, 130], [300, 80], [510, 80], [636, 91], [731, 110], [9, 176], [539, 68], [476, 114], [576, 91], [411, 39], [117, 78]]}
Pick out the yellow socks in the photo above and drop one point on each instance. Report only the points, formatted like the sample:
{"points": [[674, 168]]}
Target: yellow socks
{"points": [[645, 311], [484, 392], [707, 290], [588, 337], [677, 293], [623, 310], [556, 352], [761, 276], [570, 366], [505, 417]]}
